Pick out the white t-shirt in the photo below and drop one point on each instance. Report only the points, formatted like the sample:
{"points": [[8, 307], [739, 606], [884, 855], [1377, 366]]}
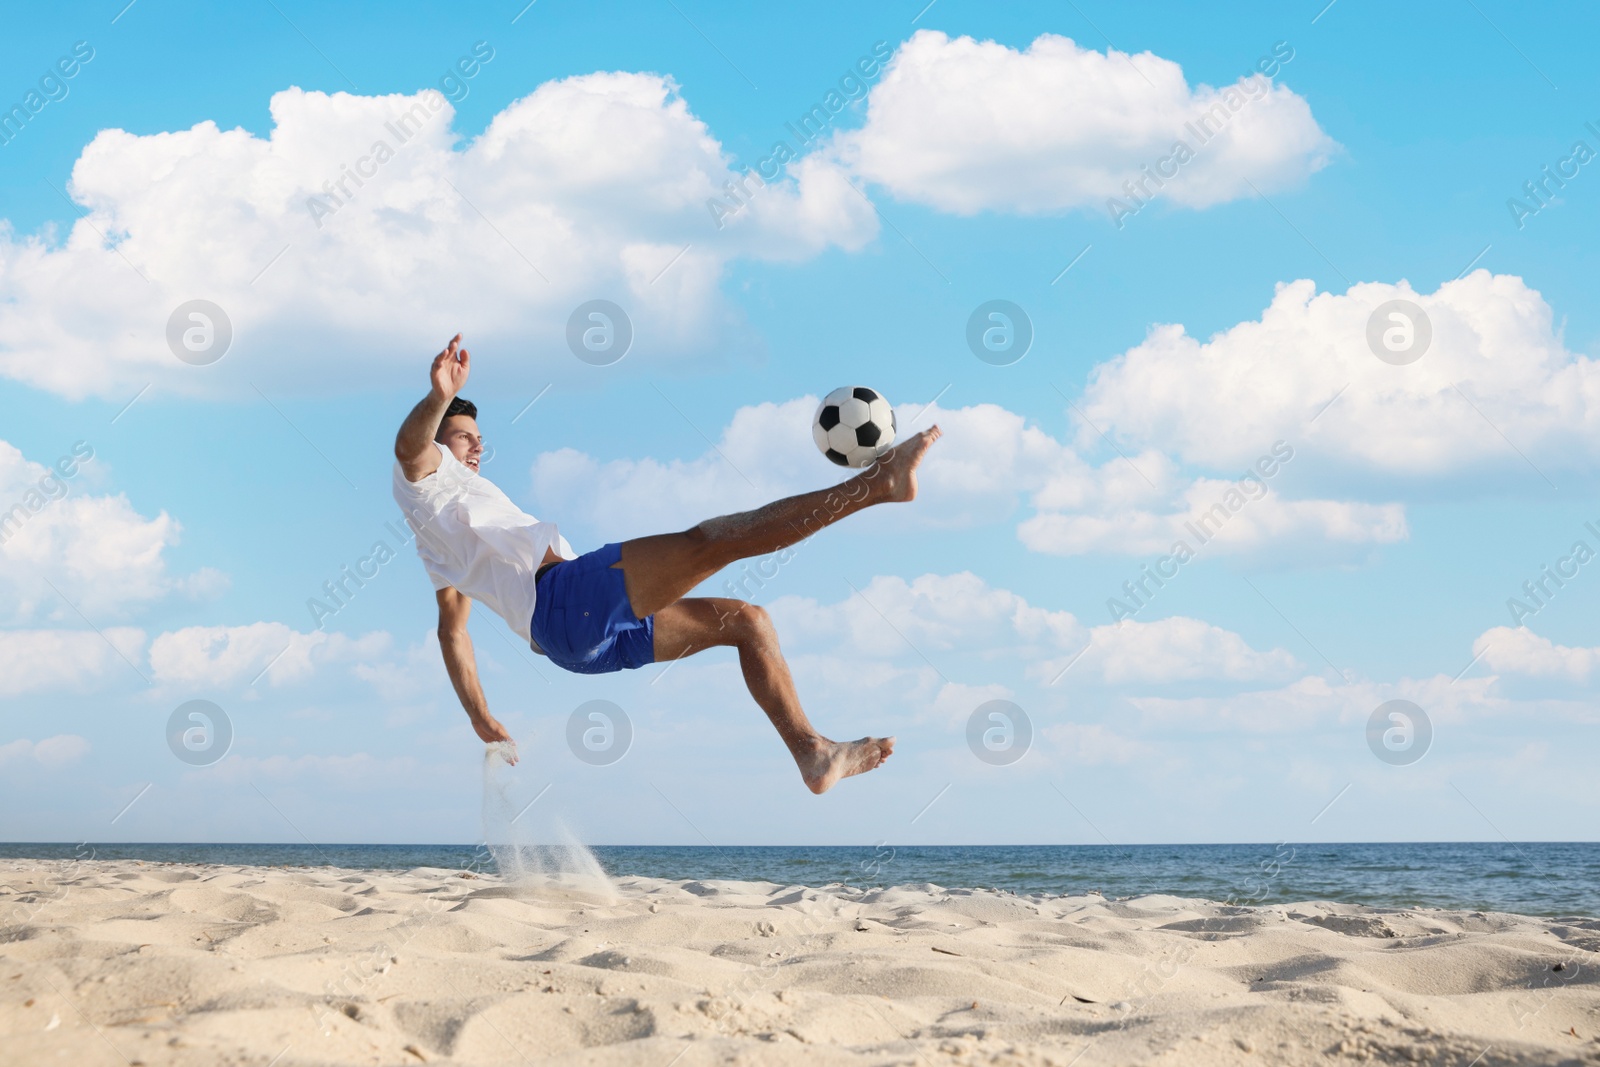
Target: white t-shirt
{"points": [[472, 537]]}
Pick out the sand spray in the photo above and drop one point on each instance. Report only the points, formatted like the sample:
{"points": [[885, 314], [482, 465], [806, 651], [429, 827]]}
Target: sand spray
{"points": [[533, 847]]}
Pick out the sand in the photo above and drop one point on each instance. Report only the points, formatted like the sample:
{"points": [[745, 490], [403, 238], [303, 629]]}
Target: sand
{"points": [[124, 962]]}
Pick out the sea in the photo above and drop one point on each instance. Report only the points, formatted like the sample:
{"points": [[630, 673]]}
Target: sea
{"points": [[1531, 878]]}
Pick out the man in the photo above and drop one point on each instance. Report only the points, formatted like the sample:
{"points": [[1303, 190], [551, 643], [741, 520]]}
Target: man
{"points": [[623, 605]]}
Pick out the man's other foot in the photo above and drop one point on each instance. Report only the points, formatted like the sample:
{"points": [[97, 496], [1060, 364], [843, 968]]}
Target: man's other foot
{"points": [[832, 760], [896, 472]]}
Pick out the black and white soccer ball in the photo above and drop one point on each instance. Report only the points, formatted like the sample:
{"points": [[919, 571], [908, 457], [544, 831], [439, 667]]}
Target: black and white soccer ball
{"points": [[854, 426]]}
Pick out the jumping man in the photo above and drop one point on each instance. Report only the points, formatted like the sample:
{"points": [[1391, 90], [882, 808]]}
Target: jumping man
{"points": [[622, 605]]}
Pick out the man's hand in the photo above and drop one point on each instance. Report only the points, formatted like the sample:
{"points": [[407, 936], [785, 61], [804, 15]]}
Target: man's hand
{"points": [[450, 369], [414, 445], [490, 730]]}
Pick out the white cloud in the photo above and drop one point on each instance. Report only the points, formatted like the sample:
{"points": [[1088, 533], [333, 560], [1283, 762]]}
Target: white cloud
{"points": [[955, 701], [768, 444], [415, 673], [940, 615], [1320, 702], [934, 613], [76, 661], [989, 461], [1222, 402], [34, 661], [1179, 649], [1296, 707], [57, 751], [588, 187], [1093, 744], [1521, 651], [967, 126], [926, 653], [988, 457], [219, 656], [98, 551], [1207, 515]]}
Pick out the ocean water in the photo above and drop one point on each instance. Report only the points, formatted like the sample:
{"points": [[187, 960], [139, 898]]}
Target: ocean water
{"points": [[1531, 878]]}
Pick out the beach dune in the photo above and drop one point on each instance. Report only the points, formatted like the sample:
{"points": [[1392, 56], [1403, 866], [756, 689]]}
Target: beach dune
{"points": [[123, 962]]}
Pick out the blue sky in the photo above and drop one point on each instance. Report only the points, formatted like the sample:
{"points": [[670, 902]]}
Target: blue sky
{"points": [[576, 164]]}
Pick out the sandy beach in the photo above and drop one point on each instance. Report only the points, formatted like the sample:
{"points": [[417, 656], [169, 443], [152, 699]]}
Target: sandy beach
{"points": [[123, 962]]}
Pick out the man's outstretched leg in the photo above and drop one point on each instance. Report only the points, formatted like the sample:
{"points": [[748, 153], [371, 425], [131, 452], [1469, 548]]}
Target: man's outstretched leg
{"points": [[659, 570], [697, 623]]}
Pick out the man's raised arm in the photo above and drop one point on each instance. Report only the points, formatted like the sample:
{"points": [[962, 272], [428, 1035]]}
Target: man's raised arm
{"points": [[413, 445]]}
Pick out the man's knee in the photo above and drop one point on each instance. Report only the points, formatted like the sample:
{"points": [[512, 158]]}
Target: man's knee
{"points": [[743, 620]]}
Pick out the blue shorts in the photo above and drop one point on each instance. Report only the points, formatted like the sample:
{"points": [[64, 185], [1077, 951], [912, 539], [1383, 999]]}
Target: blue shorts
{"points": [[582, 620]]}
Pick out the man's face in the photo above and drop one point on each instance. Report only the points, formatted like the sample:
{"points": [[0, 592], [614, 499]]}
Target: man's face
{"points": [[459, 433]]}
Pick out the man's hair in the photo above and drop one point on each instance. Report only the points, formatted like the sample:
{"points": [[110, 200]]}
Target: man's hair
{"points": [[458, 406]]}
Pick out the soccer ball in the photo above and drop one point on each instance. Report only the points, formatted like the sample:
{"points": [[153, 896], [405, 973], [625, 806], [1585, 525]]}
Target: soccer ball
{"points": [[854, 426]]}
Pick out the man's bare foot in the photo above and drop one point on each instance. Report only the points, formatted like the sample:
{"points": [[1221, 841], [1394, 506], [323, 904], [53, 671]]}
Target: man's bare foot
{"points": [[830, 761], [896, 472]]}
